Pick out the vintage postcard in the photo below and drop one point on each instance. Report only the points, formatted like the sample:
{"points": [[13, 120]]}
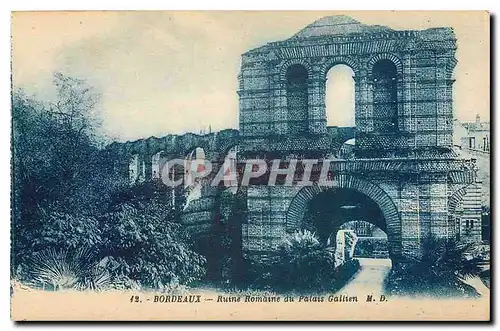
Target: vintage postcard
{"points": [[250, 166]]}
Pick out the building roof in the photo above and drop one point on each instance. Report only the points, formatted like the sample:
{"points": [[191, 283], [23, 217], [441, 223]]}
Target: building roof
{"points": [[337, 25], [342, 26], [474, 126]]}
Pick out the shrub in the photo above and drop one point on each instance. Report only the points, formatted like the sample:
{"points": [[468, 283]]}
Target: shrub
{"points": [[65, 269], [440, 271], [62, 229], [301, 264], [148, 246], [371, 247]]}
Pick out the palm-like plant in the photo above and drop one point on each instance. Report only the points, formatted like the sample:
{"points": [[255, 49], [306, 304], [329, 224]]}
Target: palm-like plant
{"points": [[450, 257], [443, 268], [58, 270], [304, 262], [301, 241], [50, 270]]}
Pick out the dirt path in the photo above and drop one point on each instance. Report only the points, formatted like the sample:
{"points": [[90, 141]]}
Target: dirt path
{"points": [[369, 279]]}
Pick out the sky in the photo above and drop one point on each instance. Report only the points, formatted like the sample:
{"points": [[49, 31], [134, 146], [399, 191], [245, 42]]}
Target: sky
{"points": [[176, 72]]}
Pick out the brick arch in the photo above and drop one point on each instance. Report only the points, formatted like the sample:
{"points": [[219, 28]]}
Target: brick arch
{"points": [[337, 148], [456, 198], [299, 204], [226, 147], [185, 143], [223, 152], [386, 56], [187, 152], [450, 67], [205, 145], [167, 148], [287, 64], [227, 140], [338, 141], [333, 61]]}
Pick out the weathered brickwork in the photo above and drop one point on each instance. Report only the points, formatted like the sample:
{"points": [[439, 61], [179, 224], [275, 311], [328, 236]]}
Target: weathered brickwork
{"points": [[142, 157], [465, 208], [403, 84], [402, 170], [403, 114]]}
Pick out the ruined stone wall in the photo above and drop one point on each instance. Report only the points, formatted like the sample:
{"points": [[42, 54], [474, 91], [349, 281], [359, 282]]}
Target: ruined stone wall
{"points": [[403, 110], [402, 158], [415, 197], [142, 160], [423, 61]]}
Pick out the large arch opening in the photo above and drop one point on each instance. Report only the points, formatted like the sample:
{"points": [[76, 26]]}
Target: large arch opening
{"points": [[329, 210], [385, 102], [297, 99], [353, 226], [340, 96], [371, 241], [348, 198]]}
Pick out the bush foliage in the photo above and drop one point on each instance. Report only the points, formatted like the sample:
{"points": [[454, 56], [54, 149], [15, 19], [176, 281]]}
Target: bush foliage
{"points": [[150, 246], [371, 247], [68, 199], [440, 271], [66, 269], [302, 264]]}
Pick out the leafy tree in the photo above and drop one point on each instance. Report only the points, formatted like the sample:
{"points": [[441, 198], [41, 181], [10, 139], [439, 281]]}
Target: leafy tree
{"points": [[55, 143], [61, 178], [67, 196]]}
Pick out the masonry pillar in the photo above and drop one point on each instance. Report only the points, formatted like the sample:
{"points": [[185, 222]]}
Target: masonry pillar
{"points": [[317, 105], [410, 225], [363, 102]]}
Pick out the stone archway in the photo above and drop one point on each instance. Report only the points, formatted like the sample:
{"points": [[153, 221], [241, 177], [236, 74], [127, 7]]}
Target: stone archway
{"points": [[388, 209], [464, 211]]}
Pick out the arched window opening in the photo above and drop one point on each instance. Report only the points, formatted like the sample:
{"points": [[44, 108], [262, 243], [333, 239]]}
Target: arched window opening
{"points": [[347, 151], [339, 96], [297, 99], [342, 217], [158, 161], [230, 166], [136, 169], [194, 180], [155, 165], [195, 164], [385, 107]]}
